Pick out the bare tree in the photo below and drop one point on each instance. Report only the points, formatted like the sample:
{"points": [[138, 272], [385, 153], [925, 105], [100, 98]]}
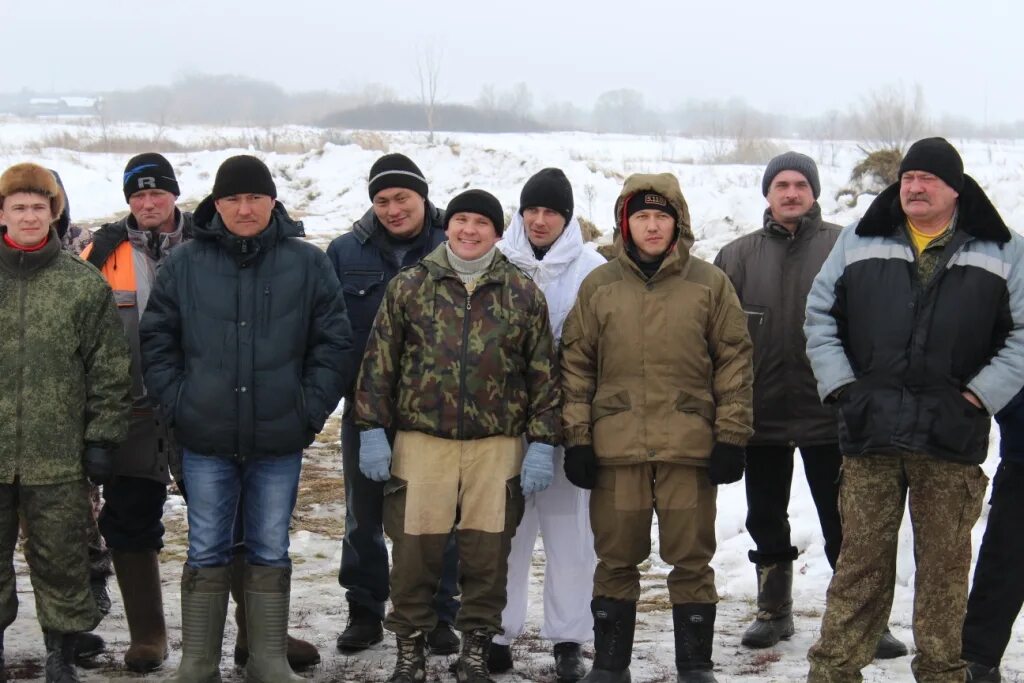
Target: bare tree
{"points": [[890, 118], [428, 67]]}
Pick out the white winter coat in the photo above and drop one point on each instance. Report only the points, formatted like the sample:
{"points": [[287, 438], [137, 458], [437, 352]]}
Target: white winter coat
{"points": [[562, 270]]}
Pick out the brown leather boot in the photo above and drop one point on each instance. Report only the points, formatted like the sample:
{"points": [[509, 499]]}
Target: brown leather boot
{"points": [[301, 654], [138, 575]]}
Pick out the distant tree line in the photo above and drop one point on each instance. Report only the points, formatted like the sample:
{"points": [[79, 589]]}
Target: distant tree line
{"points": [[236, 100]]}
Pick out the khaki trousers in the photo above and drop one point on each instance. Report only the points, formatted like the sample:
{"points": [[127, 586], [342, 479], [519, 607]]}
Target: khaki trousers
{"points": [[437, 485], [622, 506]]}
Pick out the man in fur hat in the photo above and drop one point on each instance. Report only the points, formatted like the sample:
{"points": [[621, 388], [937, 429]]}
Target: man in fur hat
{"points": [[61, 414], [915, 329]]}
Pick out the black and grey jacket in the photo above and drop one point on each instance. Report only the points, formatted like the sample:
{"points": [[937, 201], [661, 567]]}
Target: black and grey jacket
{"points": [[902, 350]]}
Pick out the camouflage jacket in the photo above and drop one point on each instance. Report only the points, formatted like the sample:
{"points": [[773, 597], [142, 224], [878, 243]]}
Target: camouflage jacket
{"points": [[52, 401], [461, 365]]}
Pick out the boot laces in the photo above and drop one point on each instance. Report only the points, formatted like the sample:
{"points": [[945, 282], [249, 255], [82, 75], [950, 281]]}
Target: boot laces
{"points": [[474, 653], [410, 658]]}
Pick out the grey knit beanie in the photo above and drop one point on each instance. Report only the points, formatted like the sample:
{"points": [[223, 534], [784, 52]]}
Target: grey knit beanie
{"points": [[791, 161]]}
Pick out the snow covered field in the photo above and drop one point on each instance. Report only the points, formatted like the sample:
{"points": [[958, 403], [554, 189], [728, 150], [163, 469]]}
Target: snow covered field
{"points": [[326, 186]]}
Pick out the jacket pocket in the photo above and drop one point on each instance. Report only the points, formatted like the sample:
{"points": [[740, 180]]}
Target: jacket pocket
{"points": [[757, 321], [609, 405], [688, 403], [363, 291], [955, 422], [854, 407]]}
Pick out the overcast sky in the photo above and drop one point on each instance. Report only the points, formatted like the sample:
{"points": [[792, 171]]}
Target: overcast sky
{"points": [[794, 56]]}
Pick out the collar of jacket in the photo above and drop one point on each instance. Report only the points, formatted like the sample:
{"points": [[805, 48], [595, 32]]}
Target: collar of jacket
{"points": [[26, 263], [368, 225], [564, 251], [676, 262], [436, 263], [153, 243], [809, 222], [975, 214], [207, 226]]}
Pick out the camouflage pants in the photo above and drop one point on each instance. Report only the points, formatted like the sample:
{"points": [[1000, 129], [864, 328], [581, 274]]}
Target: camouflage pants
{"points": [[945, 501], [56, 517], [437, 485], [622, 506]]}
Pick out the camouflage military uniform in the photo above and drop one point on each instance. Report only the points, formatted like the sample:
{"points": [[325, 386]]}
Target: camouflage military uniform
{"points": [[461, 375], [52, 403]]}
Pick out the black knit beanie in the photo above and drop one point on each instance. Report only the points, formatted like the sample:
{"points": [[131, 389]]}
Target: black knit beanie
{"points": [[650, 200], [149, 171], [477, 201], [792, 161], [938, 157], [396, 170], [243, 174], [550, 189]]}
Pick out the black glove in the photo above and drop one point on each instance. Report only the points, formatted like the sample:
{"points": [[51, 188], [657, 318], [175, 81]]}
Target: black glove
{"points": [[581, 466], [726, 465], [99, 464]]}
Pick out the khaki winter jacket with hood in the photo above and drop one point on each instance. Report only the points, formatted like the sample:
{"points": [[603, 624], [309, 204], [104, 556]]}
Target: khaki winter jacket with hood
{"points": [[658, 369]]}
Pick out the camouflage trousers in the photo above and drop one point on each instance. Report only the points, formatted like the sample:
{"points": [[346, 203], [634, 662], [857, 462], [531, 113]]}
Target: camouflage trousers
{"points": [[55, 518], [437, 485], [622, 507], [945, 502]]}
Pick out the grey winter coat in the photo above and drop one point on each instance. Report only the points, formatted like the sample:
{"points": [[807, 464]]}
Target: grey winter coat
{"points": [[772, 271]]}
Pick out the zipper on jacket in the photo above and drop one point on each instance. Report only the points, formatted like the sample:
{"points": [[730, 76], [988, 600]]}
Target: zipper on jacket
{"points": [[464, 359], [266, 309], [20, 400]]}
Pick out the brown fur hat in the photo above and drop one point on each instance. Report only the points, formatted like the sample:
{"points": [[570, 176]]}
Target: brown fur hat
{"points": [[29, 177]]}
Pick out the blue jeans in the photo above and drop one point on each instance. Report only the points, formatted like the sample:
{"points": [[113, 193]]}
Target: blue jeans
{"points": [[364, 557], [268, 487]]}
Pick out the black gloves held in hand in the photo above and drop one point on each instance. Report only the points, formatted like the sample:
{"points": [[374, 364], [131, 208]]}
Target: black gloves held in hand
{"points": [[99, 464], [726, 464], [581, 466]]}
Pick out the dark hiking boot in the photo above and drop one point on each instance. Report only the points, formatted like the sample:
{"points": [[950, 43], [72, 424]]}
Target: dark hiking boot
{"points": [[471, 667], [614, 625], [301, 654], [889, 647], [442, 640], [979, 673], [499, 658], [363, 630], [569, 666], [60, 657], [774, 620], [411, 664], [138, 575], [694, 625]]}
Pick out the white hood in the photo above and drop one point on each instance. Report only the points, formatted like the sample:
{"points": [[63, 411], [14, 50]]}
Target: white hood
{"points": [[562, 270]]}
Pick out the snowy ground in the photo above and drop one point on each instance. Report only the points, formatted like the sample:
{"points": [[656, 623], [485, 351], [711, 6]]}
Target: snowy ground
{"points": [[326, 185]]}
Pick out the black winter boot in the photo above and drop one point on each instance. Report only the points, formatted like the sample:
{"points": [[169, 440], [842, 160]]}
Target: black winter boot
{"points": [[363, 630], [978, 673], [471, 667], [442, 640], [889, 647], [88, 645], [614, 625], [694, 624], [411, 665], [569, 666], [60, 657], [774, 606], [499, 658]]}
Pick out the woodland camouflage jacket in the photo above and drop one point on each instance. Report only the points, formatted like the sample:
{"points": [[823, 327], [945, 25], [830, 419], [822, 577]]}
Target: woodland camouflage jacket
{"points": [[461, 364]]}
